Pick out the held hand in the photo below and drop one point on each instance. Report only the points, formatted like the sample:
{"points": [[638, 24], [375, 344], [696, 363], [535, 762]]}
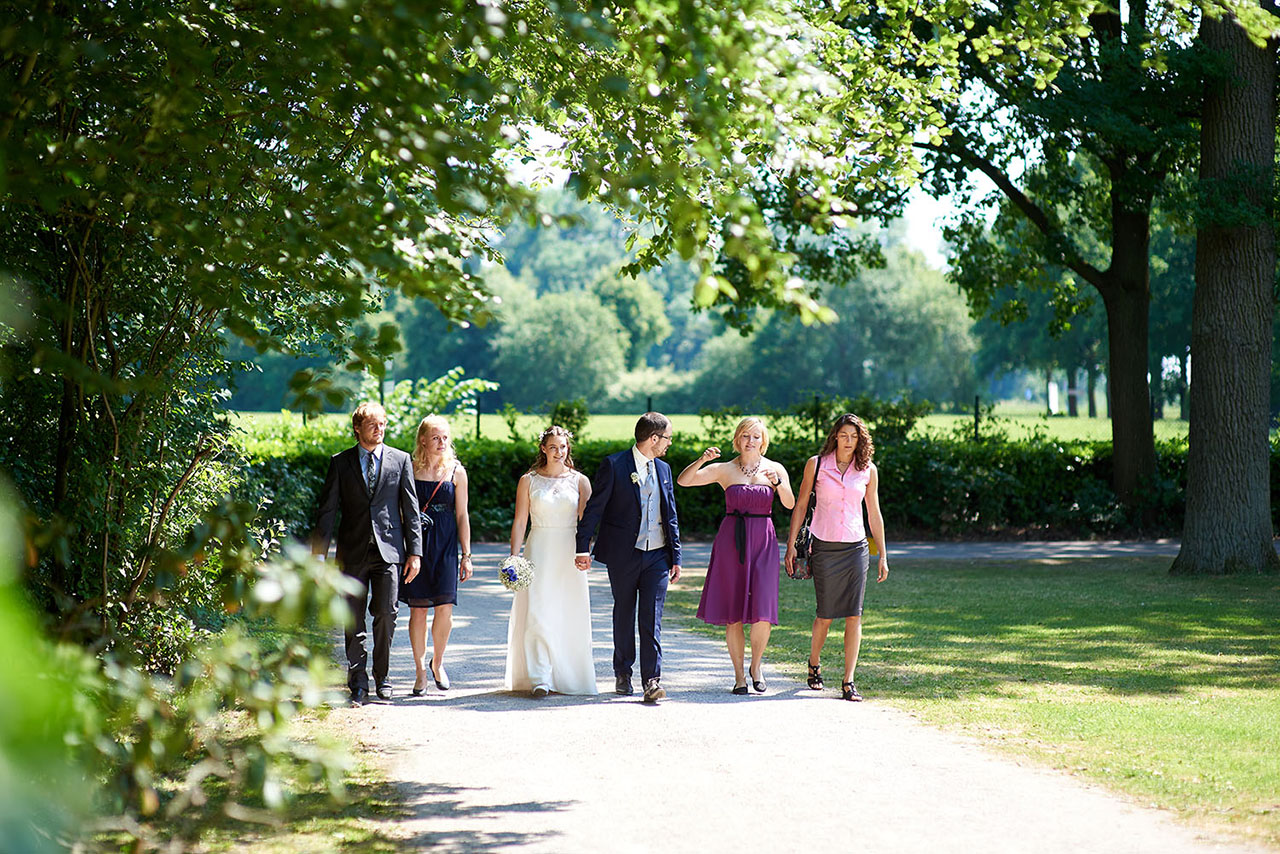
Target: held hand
{"points": [[710, 454], [883, 569], [675, 573], [789, 560], [582, 562], [412, 564], [464, 568]]}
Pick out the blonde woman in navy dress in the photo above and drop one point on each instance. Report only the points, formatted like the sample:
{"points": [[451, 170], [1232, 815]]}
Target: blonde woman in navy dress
{"points": [[441, 484], [844, 477], [742, 577]]}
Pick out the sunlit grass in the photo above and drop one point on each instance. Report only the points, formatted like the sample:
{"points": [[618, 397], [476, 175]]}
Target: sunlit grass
{"points": [[1030, 425], [313, 823], [1166, 689]]}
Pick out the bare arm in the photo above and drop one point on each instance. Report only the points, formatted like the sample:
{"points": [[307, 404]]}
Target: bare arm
{"points": [[783, 485], [695, 475], [583, 562], [460, 496], [584, 493], [522, 515], [798, 511], [877, 522]]}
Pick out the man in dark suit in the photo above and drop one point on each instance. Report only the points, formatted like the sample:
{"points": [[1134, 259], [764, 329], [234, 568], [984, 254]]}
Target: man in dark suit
{"points": [[633, 504], [369, 492]]}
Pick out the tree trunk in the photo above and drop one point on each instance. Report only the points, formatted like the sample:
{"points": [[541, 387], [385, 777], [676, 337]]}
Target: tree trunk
{"points": [[1126, 294], [1073, 393], [1228, 516], [1091, 381]]}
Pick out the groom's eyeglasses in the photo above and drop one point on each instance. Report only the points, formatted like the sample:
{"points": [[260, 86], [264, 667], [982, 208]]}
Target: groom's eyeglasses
{"points": [[666, 436]]}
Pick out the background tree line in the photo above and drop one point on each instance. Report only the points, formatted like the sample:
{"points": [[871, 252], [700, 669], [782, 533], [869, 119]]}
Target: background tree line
{"points": [[571, 324]]}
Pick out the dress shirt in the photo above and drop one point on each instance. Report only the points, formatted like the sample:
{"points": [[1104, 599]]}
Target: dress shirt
{"points": [[364, 463], [651, 535]]}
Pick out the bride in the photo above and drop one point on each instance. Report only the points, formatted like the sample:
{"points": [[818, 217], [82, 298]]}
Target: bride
{"points": [[549, 636]]}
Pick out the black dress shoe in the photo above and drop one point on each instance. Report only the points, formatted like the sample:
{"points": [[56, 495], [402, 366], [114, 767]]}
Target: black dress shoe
{"points": [[384, 691], [622, 685], [359, 696]]}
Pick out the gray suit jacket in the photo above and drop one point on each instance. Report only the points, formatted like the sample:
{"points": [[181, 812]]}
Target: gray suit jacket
{"points": [[391, 515]]}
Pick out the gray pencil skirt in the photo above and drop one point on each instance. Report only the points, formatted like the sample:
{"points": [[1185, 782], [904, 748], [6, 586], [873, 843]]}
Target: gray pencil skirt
{"points": [[839, 577]]}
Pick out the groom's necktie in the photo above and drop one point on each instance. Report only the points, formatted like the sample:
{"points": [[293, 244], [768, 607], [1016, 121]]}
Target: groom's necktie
{"points": [[371, 476]]}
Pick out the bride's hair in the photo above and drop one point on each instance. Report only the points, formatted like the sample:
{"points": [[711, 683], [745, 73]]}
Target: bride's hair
{"points": [[553, 430]]}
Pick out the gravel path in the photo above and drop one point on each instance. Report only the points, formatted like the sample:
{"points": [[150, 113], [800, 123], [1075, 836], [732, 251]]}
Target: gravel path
{"points": [[484, 770]]}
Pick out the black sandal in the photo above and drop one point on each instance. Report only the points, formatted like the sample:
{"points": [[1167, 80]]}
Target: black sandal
{"points": [[815, 676], [849, 691]]}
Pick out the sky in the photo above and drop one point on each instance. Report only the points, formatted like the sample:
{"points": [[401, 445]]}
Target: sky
{"points": [[924, 217]]}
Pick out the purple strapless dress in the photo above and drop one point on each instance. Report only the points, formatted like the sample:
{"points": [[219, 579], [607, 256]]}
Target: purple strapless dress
{"points": [[742, 578]]}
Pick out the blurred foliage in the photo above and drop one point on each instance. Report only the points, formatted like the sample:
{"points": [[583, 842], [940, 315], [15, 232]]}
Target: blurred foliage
{"points": [[572, 415], [156, 745], [411, 401]]}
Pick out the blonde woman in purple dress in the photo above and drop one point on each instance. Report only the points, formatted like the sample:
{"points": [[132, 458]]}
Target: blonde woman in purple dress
{"points": [[742, 577]]}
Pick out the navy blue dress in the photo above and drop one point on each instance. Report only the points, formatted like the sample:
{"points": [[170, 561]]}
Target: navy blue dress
{"points": [[437, 581]]}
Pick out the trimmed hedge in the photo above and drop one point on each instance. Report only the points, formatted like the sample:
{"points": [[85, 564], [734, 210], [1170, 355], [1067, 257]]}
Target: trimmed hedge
{"points": [[929, 488]]}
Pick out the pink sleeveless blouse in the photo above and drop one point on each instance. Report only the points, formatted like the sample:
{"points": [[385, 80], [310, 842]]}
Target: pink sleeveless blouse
{"points": [[837, 516]]}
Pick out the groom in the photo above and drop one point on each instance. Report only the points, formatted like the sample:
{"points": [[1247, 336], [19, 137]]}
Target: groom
{"points": [[633, 504]]}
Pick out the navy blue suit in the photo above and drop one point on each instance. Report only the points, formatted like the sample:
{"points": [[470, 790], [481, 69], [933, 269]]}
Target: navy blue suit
{"points": [[638, 579]]}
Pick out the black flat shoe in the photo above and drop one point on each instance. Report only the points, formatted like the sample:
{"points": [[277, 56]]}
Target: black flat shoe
{"points": [[759, 684], [740, 690]]}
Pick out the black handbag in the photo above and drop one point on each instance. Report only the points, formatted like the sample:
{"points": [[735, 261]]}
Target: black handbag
{"points": [[804, 539]]}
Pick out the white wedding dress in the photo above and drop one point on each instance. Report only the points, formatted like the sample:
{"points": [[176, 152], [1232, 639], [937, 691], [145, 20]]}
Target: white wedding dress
{"points": [[549, 636]]}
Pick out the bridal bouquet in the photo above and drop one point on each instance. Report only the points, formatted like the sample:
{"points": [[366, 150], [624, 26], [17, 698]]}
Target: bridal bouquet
{"points": [[515, 572]]}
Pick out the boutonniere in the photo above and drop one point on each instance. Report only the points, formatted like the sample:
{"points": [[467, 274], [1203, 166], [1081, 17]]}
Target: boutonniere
{"points": [[635, 477]]}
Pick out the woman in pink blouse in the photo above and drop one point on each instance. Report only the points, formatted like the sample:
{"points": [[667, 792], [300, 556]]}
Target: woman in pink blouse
{"points": [[844, 477]]}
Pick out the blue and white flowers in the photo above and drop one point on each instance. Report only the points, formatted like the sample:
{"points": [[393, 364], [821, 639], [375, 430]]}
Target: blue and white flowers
{"points": [[515, 572]]}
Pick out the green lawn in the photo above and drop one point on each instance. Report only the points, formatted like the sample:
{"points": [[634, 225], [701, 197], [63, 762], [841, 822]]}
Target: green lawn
{"points": [[1027, 425], [1165, 689]]}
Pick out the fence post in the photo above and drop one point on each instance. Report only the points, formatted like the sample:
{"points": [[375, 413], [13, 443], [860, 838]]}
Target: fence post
{"points": [[477, 416], [975, 418], [649, 402], [817, 428]]}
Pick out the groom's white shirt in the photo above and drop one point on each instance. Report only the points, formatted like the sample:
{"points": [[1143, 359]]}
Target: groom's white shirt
{"points": [[651, 533]]}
